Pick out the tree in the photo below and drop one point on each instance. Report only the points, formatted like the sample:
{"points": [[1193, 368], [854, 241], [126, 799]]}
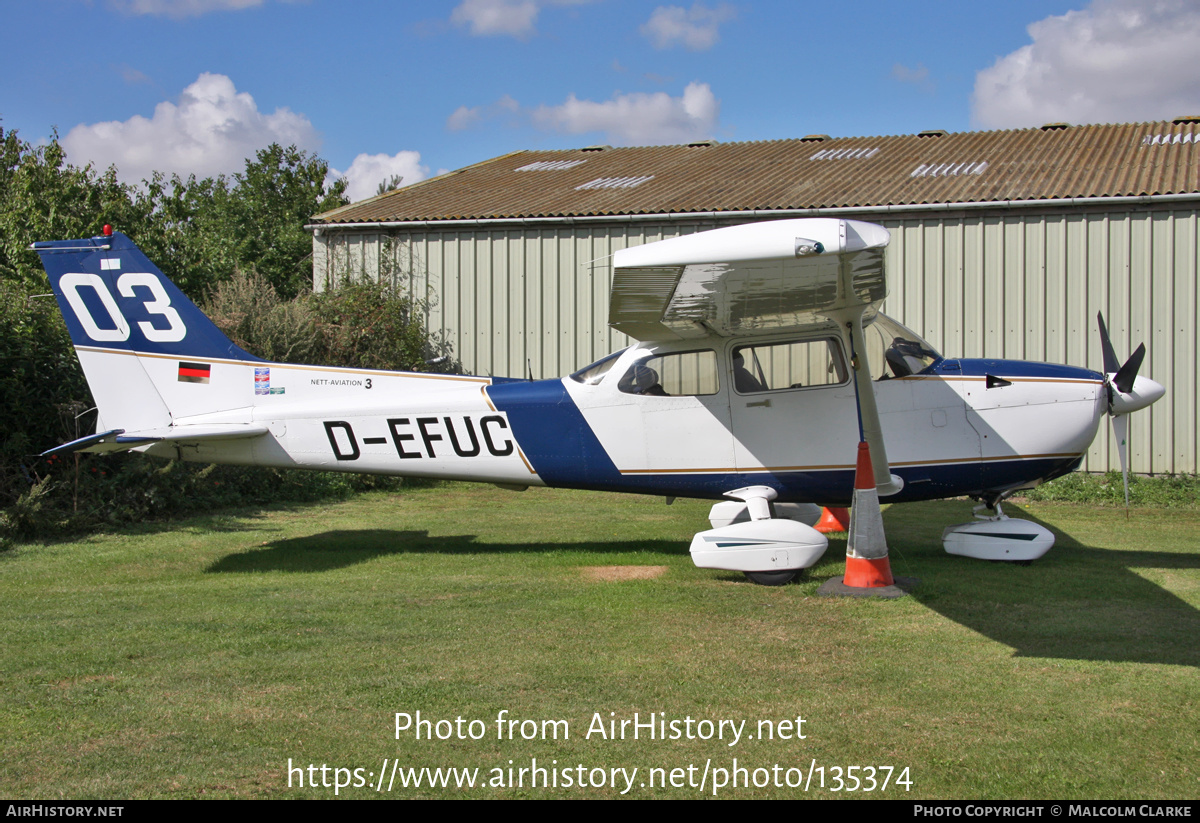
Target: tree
{"points": [[205, 230], [268, 207], [389, 184], [44, 198]]}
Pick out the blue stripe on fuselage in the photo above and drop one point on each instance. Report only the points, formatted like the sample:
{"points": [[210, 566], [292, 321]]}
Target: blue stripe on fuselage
{"points": [[565, 453], [979, 367], [553, 434]]}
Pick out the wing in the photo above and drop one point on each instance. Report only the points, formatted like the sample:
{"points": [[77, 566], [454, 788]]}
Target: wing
{"points": [[751, 279]]}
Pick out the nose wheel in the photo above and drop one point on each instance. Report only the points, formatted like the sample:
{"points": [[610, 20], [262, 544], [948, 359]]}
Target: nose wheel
{"points": [[993, 535]]}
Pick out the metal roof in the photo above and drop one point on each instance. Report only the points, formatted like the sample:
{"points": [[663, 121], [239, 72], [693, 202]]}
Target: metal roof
{"points": [[817, 172]]}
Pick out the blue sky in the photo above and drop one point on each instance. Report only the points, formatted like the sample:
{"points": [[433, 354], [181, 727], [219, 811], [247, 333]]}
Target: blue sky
{"points": [[382, 88]]}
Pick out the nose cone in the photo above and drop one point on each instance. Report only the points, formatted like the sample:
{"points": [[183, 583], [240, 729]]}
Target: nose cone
{"points": [[1143, 392]]}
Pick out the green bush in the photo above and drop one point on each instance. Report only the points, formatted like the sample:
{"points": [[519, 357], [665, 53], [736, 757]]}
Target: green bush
{"points": [[41, 386], [87, 492], [248, 309]]}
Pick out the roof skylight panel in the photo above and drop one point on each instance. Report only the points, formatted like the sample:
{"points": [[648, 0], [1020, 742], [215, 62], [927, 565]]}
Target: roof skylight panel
{"points": [[614, 182], [845, 154], [949, 169], [551, 165]]}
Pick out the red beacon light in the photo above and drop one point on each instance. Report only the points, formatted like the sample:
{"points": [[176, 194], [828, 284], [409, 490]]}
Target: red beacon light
{"points": [[107, 230]]}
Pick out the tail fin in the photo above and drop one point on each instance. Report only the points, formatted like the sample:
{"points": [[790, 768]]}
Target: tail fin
{"points": [[149, 354]]}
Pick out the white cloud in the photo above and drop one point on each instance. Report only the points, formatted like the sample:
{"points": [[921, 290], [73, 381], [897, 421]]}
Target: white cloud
{"points": [[212, 130], [918, 77], [904, 74], [638, 118], [369, 170], [514, 18], [695, 28], [1116, 61], [133, 77], [180, 8], [465, 118]]}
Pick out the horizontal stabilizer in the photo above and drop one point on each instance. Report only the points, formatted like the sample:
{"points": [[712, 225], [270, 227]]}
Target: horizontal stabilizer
{"points": [[99, 442], [119, 440]]}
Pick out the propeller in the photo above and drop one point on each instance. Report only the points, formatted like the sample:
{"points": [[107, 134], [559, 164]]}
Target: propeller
{"points": [[1126, 393]]}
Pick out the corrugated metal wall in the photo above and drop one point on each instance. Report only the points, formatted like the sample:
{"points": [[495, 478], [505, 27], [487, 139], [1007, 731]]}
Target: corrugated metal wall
{"points": [[1020, 285]]}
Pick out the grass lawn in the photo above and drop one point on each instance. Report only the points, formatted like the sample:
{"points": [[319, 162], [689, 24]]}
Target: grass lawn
{"points": [[196, 659]]}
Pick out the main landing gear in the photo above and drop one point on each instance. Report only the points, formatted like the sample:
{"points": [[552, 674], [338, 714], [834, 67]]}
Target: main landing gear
{"points": [[770, 543]]}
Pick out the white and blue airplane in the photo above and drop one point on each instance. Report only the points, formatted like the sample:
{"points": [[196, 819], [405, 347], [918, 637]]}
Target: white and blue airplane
{"points": [[762, 361]]}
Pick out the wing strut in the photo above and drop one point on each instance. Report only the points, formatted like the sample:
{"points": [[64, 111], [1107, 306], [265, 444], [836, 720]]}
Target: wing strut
{"points": [[869, 427]]}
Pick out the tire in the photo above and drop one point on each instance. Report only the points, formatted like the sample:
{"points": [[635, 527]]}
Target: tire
{"points": [[773, 578]]}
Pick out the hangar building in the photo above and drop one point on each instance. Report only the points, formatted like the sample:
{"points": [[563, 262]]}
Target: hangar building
{"points": [[1004, 244]]}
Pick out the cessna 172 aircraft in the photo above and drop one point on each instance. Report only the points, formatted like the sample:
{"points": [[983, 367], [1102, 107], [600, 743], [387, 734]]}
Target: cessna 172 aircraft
{"points": [[762, 362]]}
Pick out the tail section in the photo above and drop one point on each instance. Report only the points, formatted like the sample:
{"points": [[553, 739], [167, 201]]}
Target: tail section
{"points": [[149, 354]]}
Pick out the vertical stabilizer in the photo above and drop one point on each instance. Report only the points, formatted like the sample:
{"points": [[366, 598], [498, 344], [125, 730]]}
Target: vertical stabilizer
{"points": [[149, 354]]}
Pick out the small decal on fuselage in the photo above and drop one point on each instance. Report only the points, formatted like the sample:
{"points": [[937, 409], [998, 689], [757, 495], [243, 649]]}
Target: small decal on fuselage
{"points": [[341, 382], [194, 372]]}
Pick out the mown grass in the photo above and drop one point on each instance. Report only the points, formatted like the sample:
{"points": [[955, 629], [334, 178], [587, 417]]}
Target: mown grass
{"points": [[193, 660]]}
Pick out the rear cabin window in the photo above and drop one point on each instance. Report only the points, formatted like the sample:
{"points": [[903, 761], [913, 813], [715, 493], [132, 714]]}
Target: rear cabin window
{"points": [[673, 375], [789, 365]]}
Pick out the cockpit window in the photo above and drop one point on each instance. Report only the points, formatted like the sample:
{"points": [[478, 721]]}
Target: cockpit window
{"points": [[676, 374], [897, 351], [793, 364], [593, 374]]}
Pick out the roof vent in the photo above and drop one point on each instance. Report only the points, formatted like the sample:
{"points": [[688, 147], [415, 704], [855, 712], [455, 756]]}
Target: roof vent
{"points": [[932, 133], [1186, 118], [1056, 126], [597, 147], [814, 138], [700, 144]]}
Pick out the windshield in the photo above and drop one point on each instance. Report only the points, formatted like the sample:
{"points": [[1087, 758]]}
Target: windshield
{"points": [[593, 374], [897, 351]]}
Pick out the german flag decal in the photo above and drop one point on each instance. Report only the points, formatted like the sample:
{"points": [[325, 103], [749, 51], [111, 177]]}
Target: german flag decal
{"points": [[194, 372]]}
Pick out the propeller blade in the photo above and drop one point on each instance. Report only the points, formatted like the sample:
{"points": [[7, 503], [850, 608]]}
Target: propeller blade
{"points": [[1128, 373], [1110, 357], [1120, 424]]}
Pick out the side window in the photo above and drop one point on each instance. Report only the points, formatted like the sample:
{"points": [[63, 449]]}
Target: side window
{"points": [[789, 365], [672, 375]]}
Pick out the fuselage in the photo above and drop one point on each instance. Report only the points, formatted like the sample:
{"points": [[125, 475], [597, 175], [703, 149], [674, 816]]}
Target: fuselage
{"points": [[954, 427], [767, 380]]}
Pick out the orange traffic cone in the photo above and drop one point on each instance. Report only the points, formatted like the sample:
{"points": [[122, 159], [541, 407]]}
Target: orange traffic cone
{"points": [[867, 563], [834, 519]]}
